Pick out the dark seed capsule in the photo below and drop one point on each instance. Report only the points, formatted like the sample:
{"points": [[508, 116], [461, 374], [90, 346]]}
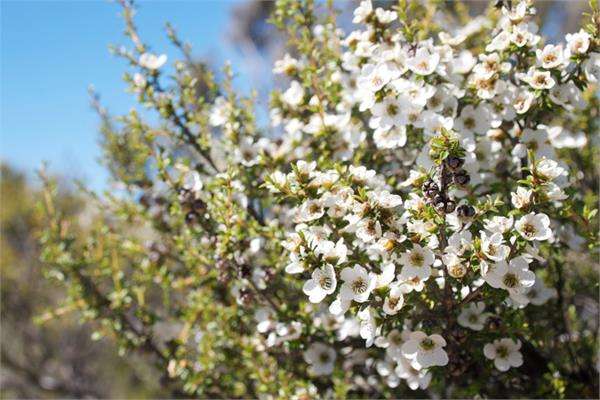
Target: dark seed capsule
{"points": [[449, 206], [440, 206], [454, 162], [269, 274], [462, 177], [439, 199], [145, 200], [246, 297], [191, 218], [222, 264], [431, 193], [199, 206], [494, 323], [427, 185], [223, 277], [465, 211], [446, 180], [245, 271]]}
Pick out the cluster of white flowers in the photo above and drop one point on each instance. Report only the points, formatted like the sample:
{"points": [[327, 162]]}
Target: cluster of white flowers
{"points": [[443, 127]]}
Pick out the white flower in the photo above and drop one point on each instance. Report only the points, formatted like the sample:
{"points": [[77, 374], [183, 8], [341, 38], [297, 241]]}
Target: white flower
{"points": [[390, 138], [577, 43], [322, 283], [423, 63], [490, 65], [498, 224], [521, 198], [516, 12], [247, 152], [415, 284], [493, 246], [537, 140], [562, 138], [591, 68], [362, 12], [505, 353], [385, 368], [515, 277], [294, 95], [384, 199], [296, 265], [358, 284], [284, 333], [385, 16], [534, 227], [425, 351], [393, 343], [192, 182], [334, 253], [473, 120], [368, 230], [416, 263], [433, 123], [415, 379], [361, 174], [473, 316], [304, 169], [487, 89], [139, 80], [568, 95], [220, 112], [394, 301], [413, 95], [539, 293], [276, 181], [460, 241], [551, 56], [152, 61], [373, 77], [539, 79], [386, 114], [463, 63], [523, 101], [554, 192], [285, 65], [521, 36], [549, 169], [321, 358], [368, 327], [264, 320], [310, 210], [387, 275], [499, 42]]}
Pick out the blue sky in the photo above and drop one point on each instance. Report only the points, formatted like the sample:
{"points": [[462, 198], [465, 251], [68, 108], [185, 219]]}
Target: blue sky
{"points": [[52, 51]]}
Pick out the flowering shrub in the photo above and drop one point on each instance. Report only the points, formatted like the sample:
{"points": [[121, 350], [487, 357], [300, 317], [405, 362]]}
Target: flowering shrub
{"points": [[406, 221]]}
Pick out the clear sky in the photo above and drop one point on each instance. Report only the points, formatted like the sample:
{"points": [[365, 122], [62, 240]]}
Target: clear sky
{"points": [[51, 51]]}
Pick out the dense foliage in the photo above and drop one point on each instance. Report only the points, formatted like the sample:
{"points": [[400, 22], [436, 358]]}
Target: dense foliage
{"points": [[415, 219]]}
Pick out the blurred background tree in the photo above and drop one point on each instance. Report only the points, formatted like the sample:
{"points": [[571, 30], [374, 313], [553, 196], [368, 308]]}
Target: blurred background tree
{"points": [[42, 356]]}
